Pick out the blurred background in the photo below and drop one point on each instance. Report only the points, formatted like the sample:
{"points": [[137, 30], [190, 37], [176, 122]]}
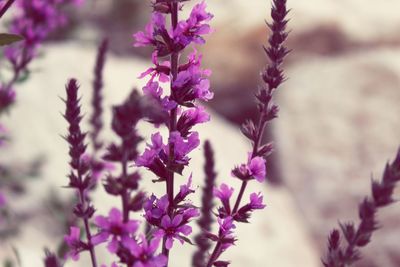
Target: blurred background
{"points": [[338, 125]]}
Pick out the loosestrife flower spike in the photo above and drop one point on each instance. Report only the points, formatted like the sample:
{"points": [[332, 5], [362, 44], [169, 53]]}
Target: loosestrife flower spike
{"points": [[96, 119], [206, 218], [80, 178], [360, 236], [255, 168]]}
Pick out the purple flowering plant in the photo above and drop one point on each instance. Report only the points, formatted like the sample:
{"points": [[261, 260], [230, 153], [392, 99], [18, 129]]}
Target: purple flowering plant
{"points": [[30, 24], [175, 86]]}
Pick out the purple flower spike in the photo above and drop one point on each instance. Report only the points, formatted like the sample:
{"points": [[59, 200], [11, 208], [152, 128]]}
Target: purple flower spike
{"points": [[114, 226], [172, 229]]}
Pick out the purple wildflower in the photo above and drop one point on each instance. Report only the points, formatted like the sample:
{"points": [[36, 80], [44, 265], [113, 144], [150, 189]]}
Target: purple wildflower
{"points": [[173, 229], [273, 76], [144, 252], [155, 209], [256, 201], [192, 29], [191, 83], [224, 193], [254, 169], [190, 118], [34, 20], [184, 191], [114, 226], [160, 70], [74, 243], [156, 155]]}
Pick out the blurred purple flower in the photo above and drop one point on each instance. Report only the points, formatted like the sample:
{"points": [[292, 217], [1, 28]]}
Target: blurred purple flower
{"points": [[74, 243], [114, 226], [3, 200], [145, 252]]}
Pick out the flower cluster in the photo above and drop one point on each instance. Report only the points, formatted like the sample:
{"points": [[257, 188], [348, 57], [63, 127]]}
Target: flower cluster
{"points": [[188, 82], [80, 177], [34, 21], [171, 226], [174, 87]]}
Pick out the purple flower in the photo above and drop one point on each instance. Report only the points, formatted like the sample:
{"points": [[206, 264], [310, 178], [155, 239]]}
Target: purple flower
{"points": [[190, 118], [160, 70], [146, 38], [145, 252], [156, 155], [256, 201], [114, 226], [254, 169], [191, 82], [153, 90], [244, 213], [191, 30], [257, 168], [151, 152], [183, 147], [225, 232], [224, 193], [74, 243], [184, 191], [155, 209], [172, 229]]}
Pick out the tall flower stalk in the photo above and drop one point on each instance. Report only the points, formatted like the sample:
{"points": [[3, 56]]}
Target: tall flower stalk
{"points": [[255, 168], [339, 255], [187, 83], [80, 178], [206, 218]]}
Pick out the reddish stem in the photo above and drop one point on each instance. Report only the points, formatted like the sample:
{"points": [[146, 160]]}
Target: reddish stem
{"points": [[172, 127]]}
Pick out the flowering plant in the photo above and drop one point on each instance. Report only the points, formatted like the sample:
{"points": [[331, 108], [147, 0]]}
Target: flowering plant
{"points": [[170, 99]]}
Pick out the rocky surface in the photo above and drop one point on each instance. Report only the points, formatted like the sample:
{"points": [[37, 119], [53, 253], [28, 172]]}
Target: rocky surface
{"points": [[338, 127], [276, 236]]}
